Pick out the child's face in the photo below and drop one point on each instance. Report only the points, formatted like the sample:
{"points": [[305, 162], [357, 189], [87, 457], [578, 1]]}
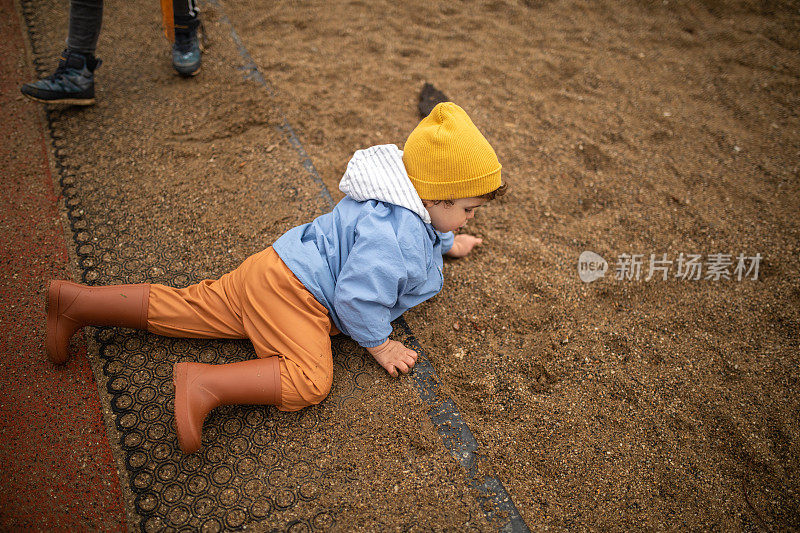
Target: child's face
{"points": [[450, 217]]}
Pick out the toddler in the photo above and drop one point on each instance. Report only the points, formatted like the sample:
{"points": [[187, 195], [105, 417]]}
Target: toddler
{"points": [[354, 270]]}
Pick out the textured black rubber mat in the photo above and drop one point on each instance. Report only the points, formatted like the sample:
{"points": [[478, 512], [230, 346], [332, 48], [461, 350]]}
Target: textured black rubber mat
{"points": [[255, 462]]}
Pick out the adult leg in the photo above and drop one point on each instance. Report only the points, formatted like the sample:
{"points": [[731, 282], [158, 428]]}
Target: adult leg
{"points": [[186, 54], [185, 8], [73, 80], [85, 21]]}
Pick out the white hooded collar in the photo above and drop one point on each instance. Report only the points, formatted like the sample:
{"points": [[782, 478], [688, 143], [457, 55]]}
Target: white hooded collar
{"points": [[378, 173]]}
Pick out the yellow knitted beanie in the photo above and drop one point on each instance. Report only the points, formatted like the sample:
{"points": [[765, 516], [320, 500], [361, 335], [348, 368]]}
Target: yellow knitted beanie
{"points": [[447, 158]]}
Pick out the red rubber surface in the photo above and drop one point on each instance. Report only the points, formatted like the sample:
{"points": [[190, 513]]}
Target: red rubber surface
{"points": [[56, 467]]}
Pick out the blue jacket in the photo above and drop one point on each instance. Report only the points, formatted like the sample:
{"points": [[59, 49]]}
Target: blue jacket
{"points": [[369, 260]]}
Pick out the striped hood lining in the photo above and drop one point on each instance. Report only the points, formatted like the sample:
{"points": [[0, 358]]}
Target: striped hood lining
{"points": [[378, 173]]}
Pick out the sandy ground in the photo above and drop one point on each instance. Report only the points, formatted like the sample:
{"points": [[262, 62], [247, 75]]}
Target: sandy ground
{"points": [[624, 128], [169, 180]]}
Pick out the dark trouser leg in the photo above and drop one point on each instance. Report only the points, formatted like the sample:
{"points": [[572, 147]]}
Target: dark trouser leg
{"points": [[184, 8], [85, 20]]}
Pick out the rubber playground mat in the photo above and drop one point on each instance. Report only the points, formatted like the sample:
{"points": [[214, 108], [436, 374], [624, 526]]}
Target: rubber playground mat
{"points": [[172, 181]]}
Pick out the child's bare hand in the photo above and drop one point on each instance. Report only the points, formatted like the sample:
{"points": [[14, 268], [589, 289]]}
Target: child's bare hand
{"points": [[463, 245], [394, 356]]}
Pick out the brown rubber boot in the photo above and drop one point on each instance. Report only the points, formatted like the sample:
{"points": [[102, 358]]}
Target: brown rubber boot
{"points": [[199, 388], [71, 306]]}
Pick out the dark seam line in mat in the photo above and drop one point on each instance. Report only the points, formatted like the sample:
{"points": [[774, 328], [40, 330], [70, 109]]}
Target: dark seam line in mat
{"points": [[444, 414]]}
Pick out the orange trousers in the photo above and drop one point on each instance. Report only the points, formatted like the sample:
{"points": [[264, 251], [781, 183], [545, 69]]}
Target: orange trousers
{"points": [[261, 300]]}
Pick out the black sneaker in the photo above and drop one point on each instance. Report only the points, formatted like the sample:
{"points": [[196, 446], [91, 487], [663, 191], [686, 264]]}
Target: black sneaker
{"points": [[186, 56], [71, 83]]}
